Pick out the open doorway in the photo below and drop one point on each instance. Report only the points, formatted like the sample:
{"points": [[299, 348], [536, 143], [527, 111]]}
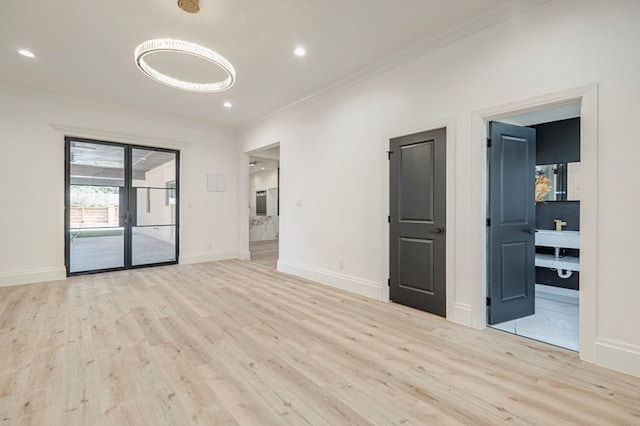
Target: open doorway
{"points": [[264, 206], [533, 225]]}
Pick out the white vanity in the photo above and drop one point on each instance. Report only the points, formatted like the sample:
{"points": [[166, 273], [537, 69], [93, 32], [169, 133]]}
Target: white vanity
{"points": [[558, 240]]}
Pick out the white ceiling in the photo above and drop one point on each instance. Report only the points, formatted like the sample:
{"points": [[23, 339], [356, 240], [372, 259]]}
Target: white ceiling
{"points": [[272, 153], [265, 159], [263, 165], [84, 49]]}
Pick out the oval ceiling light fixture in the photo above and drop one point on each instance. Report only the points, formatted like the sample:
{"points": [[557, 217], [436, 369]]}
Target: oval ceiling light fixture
{"points": [[180, 46], [300, 51], [26, 53]]}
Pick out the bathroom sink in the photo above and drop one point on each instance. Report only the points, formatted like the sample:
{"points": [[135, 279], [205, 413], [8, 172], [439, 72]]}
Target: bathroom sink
{"points": [[558, 239]]}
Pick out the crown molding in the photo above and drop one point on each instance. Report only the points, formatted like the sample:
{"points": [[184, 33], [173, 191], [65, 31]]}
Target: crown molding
{"points": [[465, 29], [66, 101]]}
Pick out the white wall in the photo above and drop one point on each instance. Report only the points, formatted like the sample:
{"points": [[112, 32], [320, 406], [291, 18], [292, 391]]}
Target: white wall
{"points": [[332, 156], [32, 176]]}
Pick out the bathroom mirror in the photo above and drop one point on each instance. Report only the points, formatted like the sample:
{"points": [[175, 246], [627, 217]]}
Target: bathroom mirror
{"points": [[558, 182]]}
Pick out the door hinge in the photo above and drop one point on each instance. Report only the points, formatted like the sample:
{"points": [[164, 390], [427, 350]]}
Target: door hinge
{"points": [[389, 155], [488, 301], [488, 142], [388, 219], [488, 221], [388, 282]]}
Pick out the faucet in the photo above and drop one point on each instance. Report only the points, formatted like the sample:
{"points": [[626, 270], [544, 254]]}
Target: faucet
{"points": [[559, 224]]}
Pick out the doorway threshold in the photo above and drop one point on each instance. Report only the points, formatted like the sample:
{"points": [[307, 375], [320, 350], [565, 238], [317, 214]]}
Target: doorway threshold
{"points": [[555, 322]]}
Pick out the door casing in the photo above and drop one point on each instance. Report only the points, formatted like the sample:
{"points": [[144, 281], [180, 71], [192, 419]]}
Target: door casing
{"points": [[587, 96], [458, 312], [421, 229]]}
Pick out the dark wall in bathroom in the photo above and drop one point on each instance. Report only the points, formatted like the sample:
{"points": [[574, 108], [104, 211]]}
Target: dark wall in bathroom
{"points": [[558, 141], [548, 277], [567, 211]]}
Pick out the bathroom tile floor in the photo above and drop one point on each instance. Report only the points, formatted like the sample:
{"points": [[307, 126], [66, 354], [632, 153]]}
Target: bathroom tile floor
{"points": [[555, 321]]}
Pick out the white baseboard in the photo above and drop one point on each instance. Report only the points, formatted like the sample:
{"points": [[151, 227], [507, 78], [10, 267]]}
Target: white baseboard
{"points": [[618, 356], [356, 285], [32, 276], [461, 313], [207, 256], [244, 255]]}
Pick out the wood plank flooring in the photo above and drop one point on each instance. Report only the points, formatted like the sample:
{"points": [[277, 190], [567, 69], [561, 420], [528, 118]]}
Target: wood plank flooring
{"points": [[265, 252], [235, 342]]}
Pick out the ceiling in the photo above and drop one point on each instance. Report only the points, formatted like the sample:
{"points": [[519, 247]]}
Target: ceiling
{"points": [[264, 160], [84, 49], [261, 165]]}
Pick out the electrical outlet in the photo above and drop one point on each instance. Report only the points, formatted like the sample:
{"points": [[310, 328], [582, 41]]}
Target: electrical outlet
{"points": [[340, 264], [209, 246]]}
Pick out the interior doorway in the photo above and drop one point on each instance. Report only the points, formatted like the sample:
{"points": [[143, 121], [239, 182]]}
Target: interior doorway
{"points": [[264, 206], [122, 206], [534, 268]]}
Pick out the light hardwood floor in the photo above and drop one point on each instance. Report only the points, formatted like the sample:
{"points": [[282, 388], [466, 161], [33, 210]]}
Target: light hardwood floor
{"points": [[265, 252], [235, 342]]}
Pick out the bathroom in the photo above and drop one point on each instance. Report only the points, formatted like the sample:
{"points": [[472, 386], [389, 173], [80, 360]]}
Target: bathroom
{"points": [[557, 237]]}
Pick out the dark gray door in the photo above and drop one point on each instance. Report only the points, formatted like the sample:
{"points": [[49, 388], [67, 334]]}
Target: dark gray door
{"points": [[511, 231], [417, 221]]}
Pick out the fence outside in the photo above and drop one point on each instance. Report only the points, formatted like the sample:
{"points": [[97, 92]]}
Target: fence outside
{"points": [[84, 217]]}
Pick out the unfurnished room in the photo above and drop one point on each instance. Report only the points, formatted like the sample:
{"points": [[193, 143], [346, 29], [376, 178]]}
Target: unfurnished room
{"points": [[356, 212]]}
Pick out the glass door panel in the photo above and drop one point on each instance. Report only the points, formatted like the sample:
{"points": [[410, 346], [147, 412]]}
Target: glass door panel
{"points": [[153, 206], [96, 233], [122, 206]]}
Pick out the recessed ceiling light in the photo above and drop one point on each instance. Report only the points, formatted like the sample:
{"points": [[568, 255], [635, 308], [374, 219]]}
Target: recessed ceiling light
{"points": [[26, 53], [228, 104], [300, 51], [261, 168]]}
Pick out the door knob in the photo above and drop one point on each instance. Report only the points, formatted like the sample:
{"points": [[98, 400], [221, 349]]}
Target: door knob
{"points": [[530, 231], [438, 231]]}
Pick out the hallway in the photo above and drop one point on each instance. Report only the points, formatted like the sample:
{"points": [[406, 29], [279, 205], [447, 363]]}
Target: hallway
{"points": [[265, 252]]}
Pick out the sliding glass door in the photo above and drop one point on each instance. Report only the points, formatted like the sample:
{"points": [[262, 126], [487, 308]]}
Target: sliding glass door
{"points": [[121, 206]]}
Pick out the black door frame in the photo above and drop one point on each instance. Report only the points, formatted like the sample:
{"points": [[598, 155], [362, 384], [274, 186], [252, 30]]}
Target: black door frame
{"points": [[126, 200]]}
